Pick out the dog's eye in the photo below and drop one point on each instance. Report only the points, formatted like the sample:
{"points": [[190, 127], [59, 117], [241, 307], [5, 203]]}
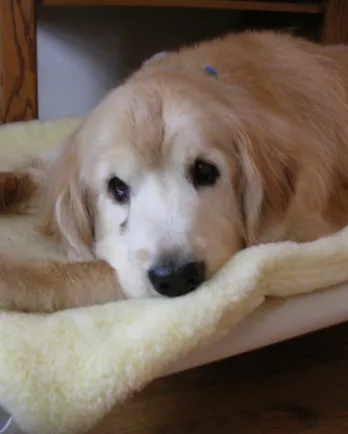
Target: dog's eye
{"points": [[119, 190], [204, 173]]}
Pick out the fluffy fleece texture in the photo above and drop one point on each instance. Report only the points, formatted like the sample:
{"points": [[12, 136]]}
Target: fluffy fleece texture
{"points": [[60, 373]]}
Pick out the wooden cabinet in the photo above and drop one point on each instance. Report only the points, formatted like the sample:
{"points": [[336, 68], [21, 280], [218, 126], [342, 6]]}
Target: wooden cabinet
{"points": [[335, 28], [18, 79], [285, 6]]}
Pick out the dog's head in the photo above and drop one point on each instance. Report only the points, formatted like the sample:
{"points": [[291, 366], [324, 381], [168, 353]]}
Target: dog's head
{"points": [[162, 181]]}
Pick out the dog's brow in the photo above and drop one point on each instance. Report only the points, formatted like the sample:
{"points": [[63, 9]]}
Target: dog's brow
{"points": [[146, 128]]}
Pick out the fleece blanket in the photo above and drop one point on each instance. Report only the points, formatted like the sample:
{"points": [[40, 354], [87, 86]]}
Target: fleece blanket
{"points": [[60, 373]]}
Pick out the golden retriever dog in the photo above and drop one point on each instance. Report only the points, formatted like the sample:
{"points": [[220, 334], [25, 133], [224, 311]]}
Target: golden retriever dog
{"points": [[200, 153]]}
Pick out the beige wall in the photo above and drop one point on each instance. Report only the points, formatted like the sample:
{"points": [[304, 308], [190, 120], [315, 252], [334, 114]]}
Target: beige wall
{"points": [[83, 52]]}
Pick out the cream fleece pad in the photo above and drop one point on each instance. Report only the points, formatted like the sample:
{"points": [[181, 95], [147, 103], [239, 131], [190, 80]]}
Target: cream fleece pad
{"points": [[60, 373]]}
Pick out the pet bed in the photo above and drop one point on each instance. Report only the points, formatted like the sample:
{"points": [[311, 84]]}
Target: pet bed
{"points": [[60, 373]]}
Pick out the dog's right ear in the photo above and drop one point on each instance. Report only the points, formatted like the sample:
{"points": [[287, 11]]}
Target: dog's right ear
{"points": [[250, 189], [266, 184], [67, 214]]}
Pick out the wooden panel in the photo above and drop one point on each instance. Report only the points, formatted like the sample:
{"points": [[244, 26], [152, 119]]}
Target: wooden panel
{"points": [[296, 387], [336, 22], [212, 4], [18, 88]]}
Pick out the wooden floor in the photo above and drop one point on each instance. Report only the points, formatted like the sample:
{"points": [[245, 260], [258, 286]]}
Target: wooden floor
{"points": [[297, 387]]}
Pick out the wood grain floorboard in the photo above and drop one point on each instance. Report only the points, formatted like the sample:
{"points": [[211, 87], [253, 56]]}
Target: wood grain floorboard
{"points": [[296, 387]]}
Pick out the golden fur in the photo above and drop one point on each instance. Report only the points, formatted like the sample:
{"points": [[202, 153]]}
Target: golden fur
{"points": [[275, 122]]}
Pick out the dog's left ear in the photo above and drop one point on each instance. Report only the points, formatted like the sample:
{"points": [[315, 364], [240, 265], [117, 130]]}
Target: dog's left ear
{"points": [[265, 186], [156, 58], [67, 213]]}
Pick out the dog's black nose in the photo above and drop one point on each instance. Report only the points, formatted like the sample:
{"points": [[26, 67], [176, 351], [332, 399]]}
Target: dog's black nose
{"points": [[173, 279]]}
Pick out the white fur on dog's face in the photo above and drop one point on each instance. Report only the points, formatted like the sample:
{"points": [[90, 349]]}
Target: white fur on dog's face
{"points": [[149, 140], [157, 223]]}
